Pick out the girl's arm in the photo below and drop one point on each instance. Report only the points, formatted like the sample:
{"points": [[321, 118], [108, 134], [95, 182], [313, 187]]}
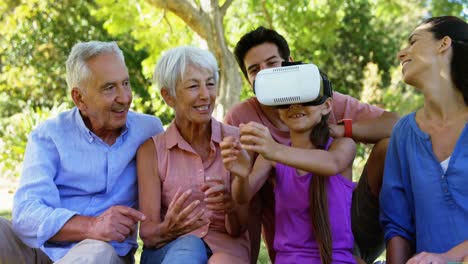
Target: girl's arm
{"points": [[244, 188], [339, 157], [246, 181], [237, 219], [153, 231]]}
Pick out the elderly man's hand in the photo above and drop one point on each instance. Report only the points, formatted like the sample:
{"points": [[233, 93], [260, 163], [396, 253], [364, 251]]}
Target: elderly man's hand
{"points": [[180, 220], [116, 223]]}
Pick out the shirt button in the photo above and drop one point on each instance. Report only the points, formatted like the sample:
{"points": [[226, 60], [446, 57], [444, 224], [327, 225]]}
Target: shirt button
{"points": [[443, 176], [445, 190]]}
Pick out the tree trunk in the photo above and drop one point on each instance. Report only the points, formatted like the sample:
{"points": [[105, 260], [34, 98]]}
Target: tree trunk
{"points": [[207, 22]]}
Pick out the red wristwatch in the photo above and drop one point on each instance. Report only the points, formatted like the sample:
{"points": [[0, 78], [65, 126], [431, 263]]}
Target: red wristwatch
{"points": [[348, 127]]}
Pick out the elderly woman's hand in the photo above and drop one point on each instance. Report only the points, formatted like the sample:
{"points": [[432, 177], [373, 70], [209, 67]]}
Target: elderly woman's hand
{"points": [[180, 220], [235, 159], [217, 196]]}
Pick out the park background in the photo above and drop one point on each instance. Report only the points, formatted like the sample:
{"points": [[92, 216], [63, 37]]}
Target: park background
{"points": [[354, 41]]}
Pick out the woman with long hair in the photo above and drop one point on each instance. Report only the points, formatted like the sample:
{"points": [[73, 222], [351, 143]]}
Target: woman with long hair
{"points": [[424, 197]]}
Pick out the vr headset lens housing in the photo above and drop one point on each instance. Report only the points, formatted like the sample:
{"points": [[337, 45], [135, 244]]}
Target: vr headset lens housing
{"points": [[292, 84]]}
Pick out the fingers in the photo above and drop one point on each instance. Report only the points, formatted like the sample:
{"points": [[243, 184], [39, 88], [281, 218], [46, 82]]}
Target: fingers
{"points": [[217, 197], [178, 201], [182, 219], [175, 198], [213, 187], [427, 258], [228, 142], [130, 212], [254, 134], [251, 126], [116, 223], [189, 209]]}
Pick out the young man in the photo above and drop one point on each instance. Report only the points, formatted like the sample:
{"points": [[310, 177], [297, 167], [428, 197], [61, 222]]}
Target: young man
{"points": [[264, 48], [77, 194]]}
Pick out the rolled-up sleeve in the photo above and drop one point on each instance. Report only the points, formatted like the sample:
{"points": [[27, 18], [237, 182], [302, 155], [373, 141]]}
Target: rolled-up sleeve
{"points": [[396, 214], [345, 106], [37, 215]]}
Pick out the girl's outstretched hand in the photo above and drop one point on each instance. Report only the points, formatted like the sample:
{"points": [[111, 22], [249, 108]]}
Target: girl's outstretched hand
{"points": [[235, 159], [256, 137]]}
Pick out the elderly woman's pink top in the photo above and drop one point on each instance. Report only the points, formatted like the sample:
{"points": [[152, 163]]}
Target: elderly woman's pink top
{"points": [[181, 167]]}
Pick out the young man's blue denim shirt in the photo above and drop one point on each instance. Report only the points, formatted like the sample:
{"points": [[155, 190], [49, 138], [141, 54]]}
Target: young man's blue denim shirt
{"points": [[419, 201], [69, 171]]}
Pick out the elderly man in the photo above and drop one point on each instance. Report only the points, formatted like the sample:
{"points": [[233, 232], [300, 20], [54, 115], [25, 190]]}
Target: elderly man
{"points": [[77, 194]]}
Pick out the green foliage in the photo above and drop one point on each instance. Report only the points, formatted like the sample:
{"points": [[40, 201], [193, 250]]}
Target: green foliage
{"points": [[36, 39], [5, 214], [455, 8], [14, 136]]}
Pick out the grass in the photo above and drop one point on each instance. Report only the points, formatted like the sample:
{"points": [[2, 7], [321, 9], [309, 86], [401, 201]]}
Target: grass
{"points": [[5, 214]]}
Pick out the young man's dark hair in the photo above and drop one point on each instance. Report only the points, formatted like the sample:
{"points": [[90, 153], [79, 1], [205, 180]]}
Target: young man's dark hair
{"points": [[255, 38]]}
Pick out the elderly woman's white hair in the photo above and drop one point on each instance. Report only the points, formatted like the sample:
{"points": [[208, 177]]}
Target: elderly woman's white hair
{"points": [[77, 68], [171, 66]]}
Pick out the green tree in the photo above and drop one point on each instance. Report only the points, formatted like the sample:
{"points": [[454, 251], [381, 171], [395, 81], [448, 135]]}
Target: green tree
{"points": [[36, 37]]}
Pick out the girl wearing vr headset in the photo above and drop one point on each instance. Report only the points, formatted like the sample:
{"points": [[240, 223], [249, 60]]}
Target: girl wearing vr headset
{"points": [[424, 197], [313, 187]]}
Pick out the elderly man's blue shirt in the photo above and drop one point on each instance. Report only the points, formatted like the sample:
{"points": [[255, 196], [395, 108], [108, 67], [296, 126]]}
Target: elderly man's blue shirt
{"points": [[69, 171], [419, 201]]}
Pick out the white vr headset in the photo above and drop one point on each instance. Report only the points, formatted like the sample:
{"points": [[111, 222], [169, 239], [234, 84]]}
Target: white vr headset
{"points": [[295, 83]]}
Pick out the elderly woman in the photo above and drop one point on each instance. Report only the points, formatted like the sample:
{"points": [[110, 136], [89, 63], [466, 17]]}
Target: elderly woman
{"points": [[184, 190]]}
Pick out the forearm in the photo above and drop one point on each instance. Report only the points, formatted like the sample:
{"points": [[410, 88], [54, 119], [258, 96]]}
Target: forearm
{"points": [[76, 229], [399, 250], [36, 223], [374, 130], [236, 219], [317, 161], [241, 191]]}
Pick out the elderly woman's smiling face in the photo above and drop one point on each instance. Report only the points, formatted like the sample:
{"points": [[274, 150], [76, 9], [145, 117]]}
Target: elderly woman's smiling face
{"points": [[195, 95]]}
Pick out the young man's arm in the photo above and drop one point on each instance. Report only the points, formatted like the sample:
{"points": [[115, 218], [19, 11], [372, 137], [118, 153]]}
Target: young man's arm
{"points": [[369, 124], [368, 131]]}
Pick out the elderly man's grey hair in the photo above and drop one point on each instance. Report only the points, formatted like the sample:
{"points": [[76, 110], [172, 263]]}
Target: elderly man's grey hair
{"points": [[77, 69], [171, 66]]}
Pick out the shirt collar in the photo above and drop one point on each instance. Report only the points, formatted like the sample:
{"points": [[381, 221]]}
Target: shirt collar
{"points": [[90, 136], [173, 136]]}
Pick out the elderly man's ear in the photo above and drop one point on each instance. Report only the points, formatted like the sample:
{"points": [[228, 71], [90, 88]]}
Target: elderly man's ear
{"points": [[77, 97], [168, 98]]}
